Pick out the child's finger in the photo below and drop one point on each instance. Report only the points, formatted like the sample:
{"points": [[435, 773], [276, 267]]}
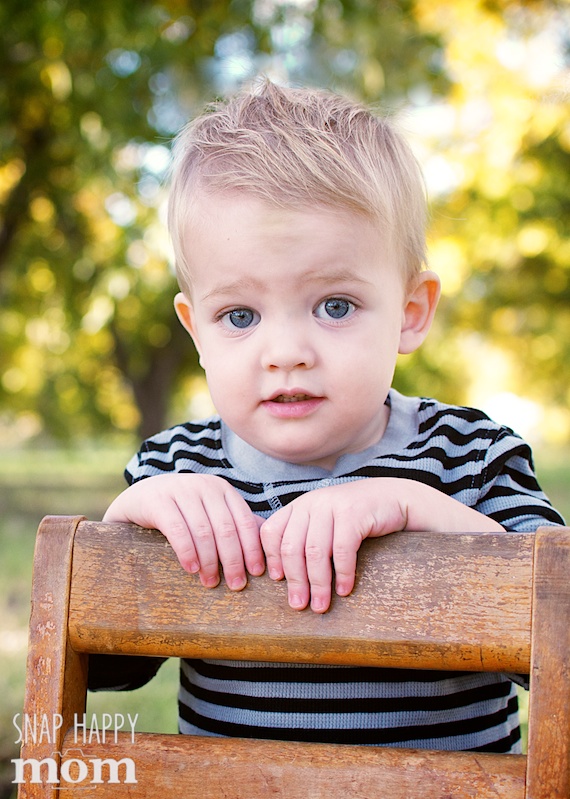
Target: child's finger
{"points": [[175, 529], [344, 555], [318, 549], [293, 558], [227, 546], [271, 532], [247, 526], [160, 512], [202, 534]]}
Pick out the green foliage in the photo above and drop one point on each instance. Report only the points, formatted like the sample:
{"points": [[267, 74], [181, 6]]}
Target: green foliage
{"points": [[92, 93], [504, 225]]}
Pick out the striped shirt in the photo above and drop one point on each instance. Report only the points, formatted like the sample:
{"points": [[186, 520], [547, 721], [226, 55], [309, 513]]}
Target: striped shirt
{"points": [[458, 451]]}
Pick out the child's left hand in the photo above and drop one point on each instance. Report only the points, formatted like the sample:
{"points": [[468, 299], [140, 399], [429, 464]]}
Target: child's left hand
{"points": [[326, 527], [328, 523]]}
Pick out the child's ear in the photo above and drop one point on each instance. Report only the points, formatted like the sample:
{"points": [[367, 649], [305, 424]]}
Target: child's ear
{"points": [[185, 313], [419, 310]]}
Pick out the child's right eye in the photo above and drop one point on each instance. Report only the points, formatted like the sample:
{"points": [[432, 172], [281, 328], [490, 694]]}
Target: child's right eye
{"points": [[240, 318]]}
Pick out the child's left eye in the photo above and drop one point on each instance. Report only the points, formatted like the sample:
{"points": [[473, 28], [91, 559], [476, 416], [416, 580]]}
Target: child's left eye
{"points": [[335, 308]]}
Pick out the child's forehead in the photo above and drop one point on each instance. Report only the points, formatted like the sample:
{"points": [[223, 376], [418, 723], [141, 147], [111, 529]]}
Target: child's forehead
{"points": [[237, 244], [240, 214]]}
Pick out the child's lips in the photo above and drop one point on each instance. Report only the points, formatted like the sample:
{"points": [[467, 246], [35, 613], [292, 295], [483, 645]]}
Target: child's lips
{"points": [[291, 398], [292, 404]]}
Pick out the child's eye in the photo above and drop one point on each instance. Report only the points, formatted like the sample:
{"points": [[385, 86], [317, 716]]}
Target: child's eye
{"points": [[334, 308], [240, 318]]}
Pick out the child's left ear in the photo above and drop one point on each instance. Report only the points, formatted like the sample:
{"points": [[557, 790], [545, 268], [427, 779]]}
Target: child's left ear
{"points": [[419, 310]]}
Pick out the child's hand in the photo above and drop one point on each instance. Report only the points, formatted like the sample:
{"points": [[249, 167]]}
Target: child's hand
{"points": [[300, 539], [326, 527], [205, 520]]}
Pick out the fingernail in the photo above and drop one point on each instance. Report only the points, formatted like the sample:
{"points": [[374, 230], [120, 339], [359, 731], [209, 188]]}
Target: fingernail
{"points": [[318, 604], [296, 602], [237, 584], [257, 569], [275, 574], [211, 582]]}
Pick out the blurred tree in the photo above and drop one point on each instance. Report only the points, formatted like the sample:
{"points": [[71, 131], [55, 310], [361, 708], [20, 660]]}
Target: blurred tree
{"points": [[500, 231], [92, 93], [88, 334]]}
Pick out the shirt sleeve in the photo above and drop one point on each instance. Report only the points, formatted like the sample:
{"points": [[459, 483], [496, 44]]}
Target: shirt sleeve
{"points": [[510, 492], [125, 672], [143, 465], [121, 672], [512, 495]]}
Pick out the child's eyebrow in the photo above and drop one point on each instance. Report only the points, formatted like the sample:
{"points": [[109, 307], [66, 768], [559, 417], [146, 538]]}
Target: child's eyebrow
{"points": [[231, 288], [343, 276], [320, 276]]}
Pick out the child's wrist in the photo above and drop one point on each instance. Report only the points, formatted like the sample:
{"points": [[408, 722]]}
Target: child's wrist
{"points": [[426, 508]]}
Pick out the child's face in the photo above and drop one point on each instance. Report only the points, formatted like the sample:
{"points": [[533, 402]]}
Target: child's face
{"points": [[298, 317]]}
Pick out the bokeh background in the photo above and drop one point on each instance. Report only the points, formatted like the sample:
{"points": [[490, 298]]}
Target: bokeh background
{"points": [[91, 355]]}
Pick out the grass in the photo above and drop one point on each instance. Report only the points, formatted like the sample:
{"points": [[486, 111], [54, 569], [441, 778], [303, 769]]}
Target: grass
{"points": [[35, 483]]}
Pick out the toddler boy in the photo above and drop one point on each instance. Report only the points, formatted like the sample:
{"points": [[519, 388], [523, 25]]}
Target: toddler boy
{"points": [[298, 220]]}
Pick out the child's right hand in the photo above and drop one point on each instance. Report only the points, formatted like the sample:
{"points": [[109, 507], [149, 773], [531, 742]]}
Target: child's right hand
{"points": [[205, 520]]}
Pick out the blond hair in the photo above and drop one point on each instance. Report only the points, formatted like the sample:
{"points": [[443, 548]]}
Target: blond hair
{"points": [[300, 147]]}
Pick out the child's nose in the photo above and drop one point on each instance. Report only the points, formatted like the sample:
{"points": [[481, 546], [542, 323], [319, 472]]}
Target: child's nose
{"points": [[288, 350]]}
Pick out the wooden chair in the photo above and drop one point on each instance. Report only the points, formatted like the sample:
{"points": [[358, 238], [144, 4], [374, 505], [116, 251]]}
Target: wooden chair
{"points": [[422, 600]]}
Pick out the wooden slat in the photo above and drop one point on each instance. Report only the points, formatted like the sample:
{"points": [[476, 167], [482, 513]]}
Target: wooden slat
{"points": [[465, 598], [56, 681], [210, 768], [549, 708]]}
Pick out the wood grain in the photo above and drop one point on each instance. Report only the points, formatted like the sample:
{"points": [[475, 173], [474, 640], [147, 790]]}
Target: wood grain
{"points": [[422, 600], [56, 675], [549, 708], [217, 768]]}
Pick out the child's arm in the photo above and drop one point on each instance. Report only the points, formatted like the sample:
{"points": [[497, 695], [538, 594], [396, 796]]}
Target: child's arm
{"points": [[325, 527], [205, 520]]}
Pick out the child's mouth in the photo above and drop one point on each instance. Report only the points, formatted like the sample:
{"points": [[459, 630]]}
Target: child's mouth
{"points": [[293, 406], [292, 398]]}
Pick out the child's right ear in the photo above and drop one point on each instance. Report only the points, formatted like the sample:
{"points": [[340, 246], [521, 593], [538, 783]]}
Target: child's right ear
{"points": [[185, 313]]}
